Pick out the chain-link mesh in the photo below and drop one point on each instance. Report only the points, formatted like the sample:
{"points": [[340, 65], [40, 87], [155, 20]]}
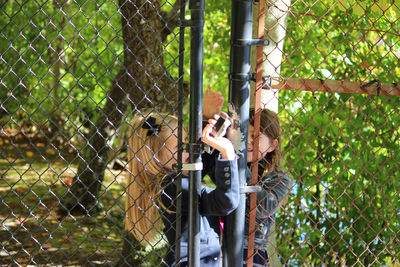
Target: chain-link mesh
{"points": [[340, 148], [74, 73]]}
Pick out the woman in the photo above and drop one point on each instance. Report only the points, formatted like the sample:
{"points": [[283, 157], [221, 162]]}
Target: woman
{"points": [[151, 192], [275, 183]]}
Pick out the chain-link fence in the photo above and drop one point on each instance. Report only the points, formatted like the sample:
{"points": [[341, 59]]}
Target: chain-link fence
{"points": [[74, 74]]}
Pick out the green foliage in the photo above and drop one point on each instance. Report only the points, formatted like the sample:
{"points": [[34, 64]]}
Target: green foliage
{"points": [[340, 148], [60, 59], [216, 47], [336, 43]]}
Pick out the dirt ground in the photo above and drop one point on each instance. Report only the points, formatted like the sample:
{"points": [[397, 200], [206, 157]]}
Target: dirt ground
{"points": [[35, 174]]}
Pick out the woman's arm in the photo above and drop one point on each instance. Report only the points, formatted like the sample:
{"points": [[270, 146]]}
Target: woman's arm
{"points": [[275, 189], [220, 201], [222, 144], [225, 197]]}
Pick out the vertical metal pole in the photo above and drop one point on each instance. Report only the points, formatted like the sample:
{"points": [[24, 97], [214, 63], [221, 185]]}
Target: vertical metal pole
{"points": [[196, 106], [178, 223], [239, 105]]}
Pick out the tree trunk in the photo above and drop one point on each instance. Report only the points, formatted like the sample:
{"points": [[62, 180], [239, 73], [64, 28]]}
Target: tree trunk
{"points": [[83, 193], [142, 82]]}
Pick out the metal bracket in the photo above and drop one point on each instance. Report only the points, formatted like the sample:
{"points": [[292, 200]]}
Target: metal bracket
{"points": [[253, 77], [250, 189], [240, 77], [192, 166], [195, 148], [251, 42], [191, 23], [378, 89], [266, 80]]}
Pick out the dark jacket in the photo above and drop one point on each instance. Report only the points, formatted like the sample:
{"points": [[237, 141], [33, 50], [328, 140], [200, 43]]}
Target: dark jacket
{"points": [[219, 201], [275, 188]]}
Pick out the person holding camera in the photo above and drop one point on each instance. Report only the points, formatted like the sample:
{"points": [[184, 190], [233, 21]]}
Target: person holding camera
{"points": [[275, 183], [151, 193]]}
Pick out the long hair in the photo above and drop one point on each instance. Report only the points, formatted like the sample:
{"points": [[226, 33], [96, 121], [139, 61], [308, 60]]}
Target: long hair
{"points": [[270, 126], [147, 138]]}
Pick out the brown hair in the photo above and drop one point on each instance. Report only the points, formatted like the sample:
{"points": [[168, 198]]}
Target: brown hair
{"points": [[146, 174], [270, 126]]}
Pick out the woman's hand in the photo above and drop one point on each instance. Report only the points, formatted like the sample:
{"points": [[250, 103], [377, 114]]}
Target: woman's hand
{"points": [[222, 144], [212, 103]]}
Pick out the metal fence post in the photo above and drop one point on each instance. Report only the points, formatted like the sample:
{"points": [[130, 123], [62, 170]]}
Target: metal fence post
{"points": [[178, 223], [239, 105], [196, 90]]}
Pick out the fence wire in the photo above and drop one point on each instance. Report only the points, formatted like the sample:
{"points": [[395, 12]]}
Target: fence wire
{"points": [[74, 74]]}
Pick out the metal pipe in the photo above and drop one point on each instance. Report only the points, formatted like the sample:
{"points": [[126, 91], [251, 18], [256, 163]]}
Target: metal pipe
{"points": [[178, 223], [239, 105], [196, 106]]}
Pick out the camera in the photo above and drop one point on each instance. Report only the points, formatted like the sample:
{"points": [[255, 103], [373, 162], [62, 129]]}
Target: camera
{"points": [[219, 129], [221, 125]]}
